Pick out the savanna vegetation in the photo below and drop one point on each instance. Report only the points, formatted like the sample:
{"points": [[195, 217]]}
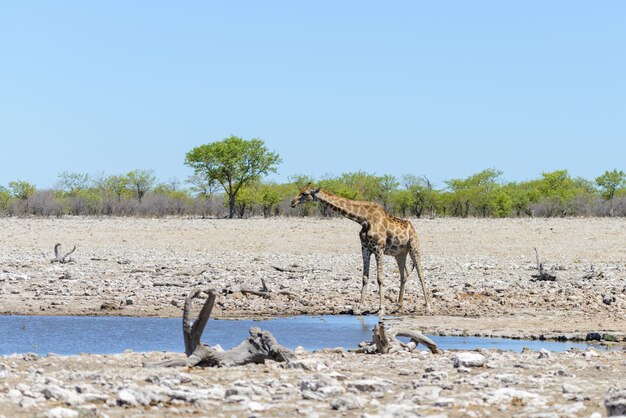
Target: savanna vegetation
{"points": [[228, 181]]}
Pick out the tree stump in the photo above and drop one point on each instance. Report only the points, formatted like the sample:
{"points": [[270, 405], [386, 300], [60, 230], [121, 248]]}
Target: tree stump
{"points": [[258, 347]]}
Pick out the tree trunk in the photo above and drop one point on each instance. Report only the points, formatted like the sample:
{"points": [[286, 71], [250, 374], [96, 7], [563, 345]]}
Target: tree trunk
{"points": [[231, 205]]}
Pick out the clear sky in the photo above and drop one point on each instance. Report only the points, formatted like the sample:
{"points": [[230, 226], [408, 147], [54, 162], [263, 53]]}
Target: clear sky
{"points": [[439, 88]]}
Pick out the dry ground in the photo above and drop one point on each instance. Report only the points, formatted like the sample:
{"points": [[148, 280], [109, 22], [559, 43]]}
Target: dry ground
{"points": [[478, 270], [479, 273]]}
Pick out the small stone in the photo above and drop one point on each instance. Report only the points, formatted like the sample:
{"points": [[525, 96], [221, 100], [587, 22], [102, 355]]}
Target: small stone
{"points": [[129, 302], [126, 397], [443, 402], [346, 403], [256, 406], [467, 359], [569, 388], [184, 377], [307, 364], [573, 409], [424, 394], [370, 385], [15, 395], [505, 395], [591, 353], [4, 371], [60, 412], [543, 353], [27, 402], [30, 357], [615, 402], [110, 306], [608, 299]]}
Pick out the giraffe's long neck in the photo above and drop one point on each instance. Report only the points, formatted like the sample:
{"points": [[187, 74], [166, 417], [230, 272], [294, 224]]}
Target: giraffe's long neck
{"points": [[349, 208]]}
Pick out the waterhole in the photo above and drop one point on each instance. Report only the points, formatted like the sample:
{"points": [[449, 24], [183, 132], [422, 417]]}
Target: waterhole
{"points": [[66, 335]]}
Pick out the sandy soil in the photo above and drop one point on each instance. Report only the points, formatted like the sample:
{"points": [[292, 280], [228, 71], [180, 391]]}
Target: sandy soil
{"points": [[478, 271]]}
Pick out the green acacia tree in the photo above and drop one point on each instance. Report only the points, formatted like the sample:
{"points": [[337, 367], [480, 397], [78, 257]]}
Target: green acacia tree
{"points": [[610, 182], [72, 183], [140, 182], [22, 190], [234, 163], [5, 198]]}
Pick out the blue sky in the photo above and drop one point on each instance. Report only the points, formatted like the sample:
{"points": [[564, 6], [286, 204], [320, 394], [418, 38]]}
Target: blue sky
{"points": [[443, 89]]}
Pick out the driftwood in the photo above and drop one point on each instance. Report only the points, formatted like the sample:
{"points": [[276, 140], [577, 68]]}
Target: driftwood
{"points": [[258, 347], [387, 342], [294, 269], [265, 291], [58, 258], [542, 274]]}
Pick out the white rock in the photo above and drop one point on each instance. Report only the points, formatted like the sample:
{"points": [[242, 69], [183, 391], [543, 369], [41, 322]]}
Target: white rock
{"points": [[573, 409], [467, 359], [370, 385], [543, 353], [345, 403], [126, 397], [591, 353], [61, 394], [15, 395], [504, 395], [256, 406], [4, 371], [616, 402], [569, 388], [27, 402], [424, 394], [183, 377], [60, 412]]}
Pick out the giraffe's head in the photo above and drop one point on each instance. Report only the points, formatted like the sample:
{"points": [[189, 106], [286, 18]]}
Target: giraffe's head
{"points": [[307, 194]]}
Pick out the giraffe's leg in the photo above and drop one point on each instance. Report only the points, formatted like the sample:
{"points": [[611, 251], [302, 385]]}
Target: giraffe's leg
{"points": [[415, 257], [366, 274], [404, 274], [379, 276]]}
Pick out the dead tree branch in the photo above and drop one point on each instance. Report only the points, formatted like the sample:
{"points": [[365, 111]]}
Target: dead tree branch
{"points": [[58, 258], [294, 269], [258, 347], [265, 291], [387, 342], [542, 274]]}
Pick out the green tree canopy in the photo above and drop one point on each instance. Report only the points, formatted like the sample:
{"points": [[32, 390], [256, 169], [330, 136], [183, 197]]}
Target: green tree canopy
{"points": [[72, 183], [140, 182], [234, 163], [610, 182], [474, 191], [22, 189]]}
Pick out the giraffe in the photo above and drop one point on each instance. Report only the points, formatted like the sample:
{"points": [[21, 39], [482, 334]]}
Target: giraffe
{"points": [[381, 234]]}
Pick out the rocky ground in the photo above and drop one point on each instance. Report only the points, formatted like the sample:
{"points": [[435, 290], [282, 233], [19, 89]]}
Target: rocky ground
{"points": [[479, 274], [324, 384]]}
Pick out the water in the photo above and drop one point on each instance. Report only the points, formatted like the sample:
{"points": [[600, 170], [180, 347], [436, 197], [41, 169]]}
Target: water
{"points": [[68, 335]]}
